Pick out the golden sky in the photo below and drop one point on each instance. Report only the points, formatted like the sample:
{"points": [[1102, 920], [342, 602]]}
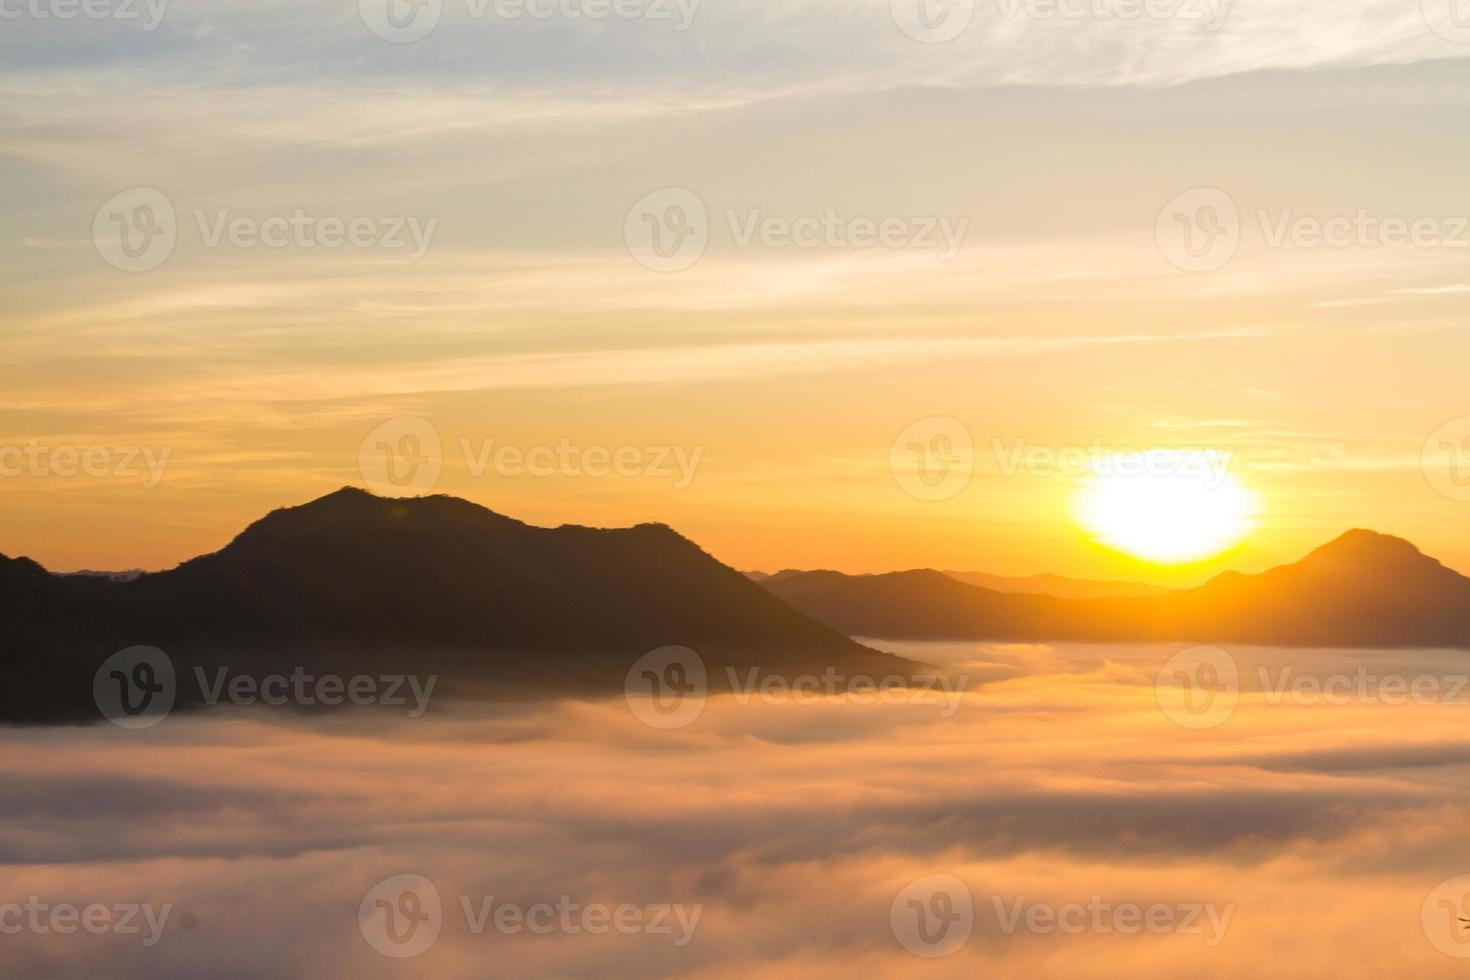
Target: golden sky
{"points": [[1061, 319]]}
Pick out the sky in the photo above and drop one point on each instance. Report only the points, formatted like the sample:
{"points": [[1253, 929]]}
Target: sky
{"points": [[719, 265]]}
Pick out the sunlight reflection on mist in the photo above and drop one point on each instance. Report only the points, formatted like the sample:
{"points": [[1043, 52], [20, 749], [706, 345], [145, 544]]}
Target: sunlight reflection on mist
{"points": [[793, 827]]}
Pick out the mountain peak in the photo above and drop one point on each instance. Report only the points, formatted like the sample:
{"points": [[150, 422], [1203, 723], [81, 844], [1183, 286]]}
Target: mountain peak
{"points": [[354, 502], [354, 581], [347, 494], [1362, 589], [1369, 550], [350, 497]]}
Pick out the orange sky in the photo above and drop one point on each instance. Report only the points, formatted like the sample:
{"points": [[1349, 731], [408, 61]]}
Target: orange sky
{"points": [[1062, 320]]}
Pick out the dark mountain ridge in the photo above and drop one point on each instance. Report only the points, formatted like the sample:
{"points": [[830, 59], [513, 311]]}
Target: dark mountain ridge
{"points": [[1364, 589], [357, 583], [1056, 585]]}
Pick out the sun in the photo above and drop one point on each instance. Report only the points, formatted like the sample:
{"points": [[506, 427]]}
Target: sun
{"points": [[1166, 506]]}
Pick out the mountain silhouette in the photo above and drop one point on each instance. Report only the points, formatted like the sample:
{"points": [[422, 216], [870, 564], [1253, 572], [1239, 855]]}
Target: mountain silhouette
{"points": [[1058, 585], [1363, 589], [355, 583], [1055, 585]]}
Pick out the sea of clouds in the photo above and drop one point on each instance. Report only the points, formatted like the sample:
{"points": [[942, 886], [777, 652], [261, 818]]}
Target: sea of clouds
{"points": [[1322, 828]]}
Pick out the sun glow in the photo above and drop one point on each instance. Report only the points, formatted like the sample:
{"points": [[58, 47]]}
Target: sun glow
{"points": [[1166, 506]]}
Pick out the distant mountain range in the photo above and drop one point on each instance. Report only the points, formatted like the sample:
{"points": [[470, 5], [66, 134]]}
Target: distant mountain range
{"points": [[1363, 589], [126, 576], [1057, 585], [353, 583]]}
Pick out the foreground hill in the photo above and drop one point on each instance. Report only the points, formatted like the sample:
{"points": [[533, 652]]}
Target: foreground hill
{"points": [[1362, 590], [354, 583]]}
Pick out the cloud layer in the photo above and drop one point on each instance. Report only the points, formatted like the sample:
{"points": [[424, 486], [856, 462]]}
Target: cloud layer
{"points": [[793, 827]]}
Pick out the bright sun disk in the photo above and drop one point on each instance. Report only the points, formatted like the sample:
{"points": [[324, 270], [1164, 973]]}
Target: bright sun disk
{"points": [[1166, 506]]}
